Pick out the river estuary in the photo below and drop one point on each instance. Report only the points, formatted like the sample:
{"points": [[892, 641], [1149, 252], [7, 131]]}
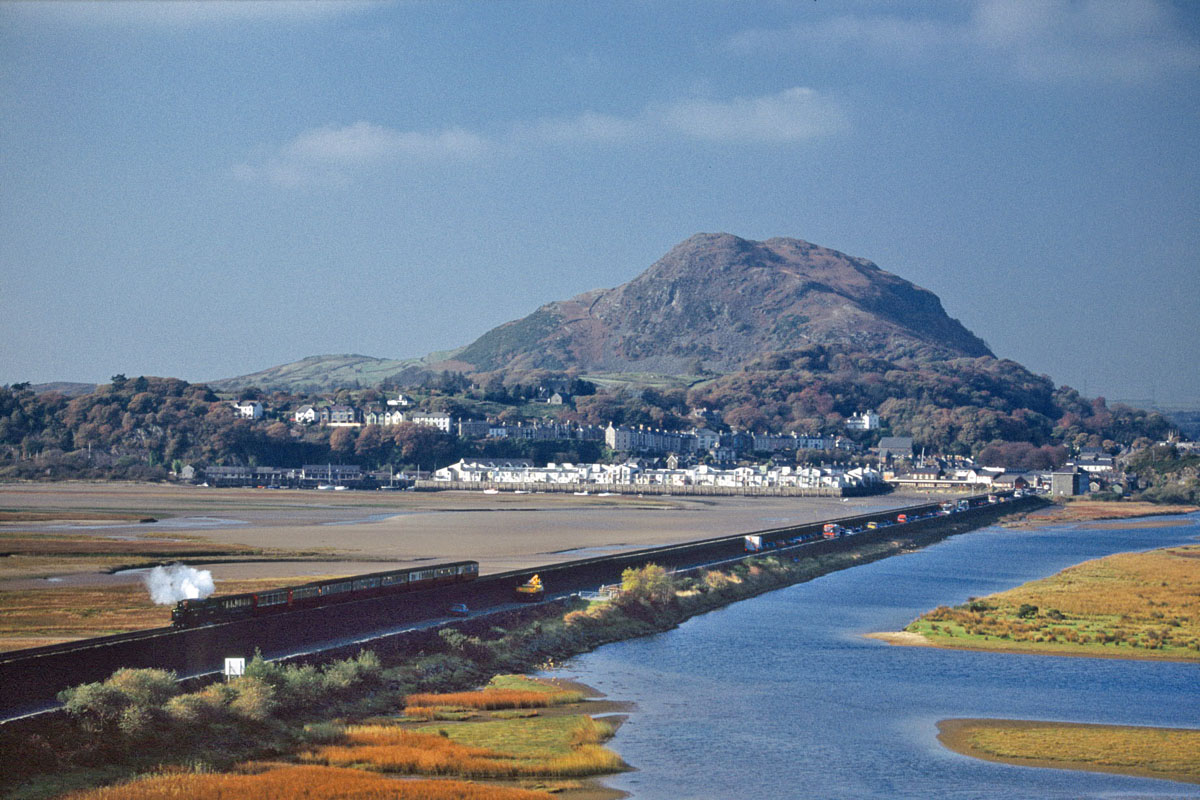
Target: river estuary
{"points": [[781, 696]]}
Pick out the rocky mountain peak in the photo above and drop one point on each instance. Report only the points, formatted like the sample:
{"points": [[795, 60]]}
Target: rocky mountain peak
{"points": [[716, 301]]}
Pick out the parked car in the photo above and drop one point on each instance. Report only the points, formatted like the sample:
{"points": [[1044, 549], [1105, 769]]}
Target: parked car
{"points": [[460, 610]]}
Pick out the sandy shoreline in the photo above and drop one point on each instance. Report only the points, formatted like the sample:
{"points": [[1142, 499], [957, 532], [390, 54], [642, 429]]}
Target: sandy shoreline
{"points": [[908, 639]]}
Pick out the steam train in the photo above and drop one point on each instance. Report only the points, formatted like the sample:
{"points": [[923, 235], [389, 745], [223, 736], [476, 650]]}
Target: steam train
{"points": [[227, 608]]}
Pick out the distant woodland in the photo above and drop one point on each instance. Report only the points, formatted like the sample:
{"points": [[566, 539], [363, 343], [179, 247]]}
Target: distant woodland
{"points": [[141, 428]]}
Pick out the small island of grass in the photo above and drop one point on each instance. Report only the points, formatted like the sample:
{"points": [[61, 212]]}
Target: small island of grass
{"points": [[1129, 605], [1081, 510], [1166, 753]]}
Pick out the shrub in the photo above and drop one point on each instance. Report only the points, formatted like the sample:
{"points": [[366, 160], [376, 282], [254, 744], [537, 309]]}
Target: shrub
{"points": [[136, 722], [1027, 611], [649, 584], [344, 675], [95, 706], [469, 646], [272, 674], [303, 687], [150, 688], [129, 702], [197, 708], [254, 699]]}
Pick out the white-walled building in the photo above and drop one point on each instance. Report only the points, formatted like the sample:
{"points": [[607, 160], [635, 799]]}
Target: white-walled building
{"points": [[434, 419], [867, 421], [521, 471], [248, 409]]}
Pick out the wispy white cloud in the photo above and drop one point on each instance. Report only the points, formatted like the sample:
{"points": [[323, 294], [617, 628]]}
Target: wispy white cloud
{"points": [[1126, 41], [365, 144], [880, 33], [1117, 41], [191, 13], [588, 127], [336, 156], [792, 115]]}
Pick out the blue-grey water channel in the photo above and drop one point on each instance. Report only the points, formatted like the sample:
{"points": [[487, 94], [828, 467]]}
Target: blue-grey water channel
{"points": [[780, 696]]}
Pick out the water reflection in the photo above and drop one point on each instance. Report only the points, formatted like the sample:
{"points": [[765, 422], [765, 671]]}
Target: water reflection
{"points": [[781, 697]]}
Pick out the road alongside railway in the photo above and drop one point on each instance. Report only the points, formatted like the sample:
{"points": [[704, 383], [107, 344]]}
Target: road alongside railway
{"points": [[30, 679]]}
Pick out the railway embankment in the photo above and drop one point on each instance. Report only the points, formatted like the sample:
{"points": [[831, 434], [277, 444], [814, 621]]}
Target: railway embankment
{"points": [[30, 679], [270, 711]]}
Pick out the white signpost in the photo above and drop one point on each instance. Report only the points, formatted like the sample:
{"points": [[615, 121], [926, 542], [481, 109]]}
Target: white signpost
{"points": [[235, 668]]}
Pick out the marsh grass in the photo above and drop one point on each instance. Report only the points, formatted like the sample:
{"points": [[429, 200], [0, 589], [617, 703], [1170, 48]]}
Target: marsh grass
{"points": [[543, 747], [65, 614], [1159, 752], [1095, 510], [31, 617], [1138, 605], [81, 545], [502, 692], [308, 782], [489, 699]]}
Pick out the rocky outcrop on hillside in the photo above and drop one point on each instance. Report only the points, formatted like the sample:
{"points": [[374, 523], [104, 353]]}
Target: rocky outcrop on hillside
{"points": [[715, 302]]}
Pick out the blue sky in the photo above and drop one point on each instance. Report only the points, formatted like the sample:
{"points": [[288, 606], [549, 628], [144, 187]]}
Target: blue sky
{"points": [[202, 190]]}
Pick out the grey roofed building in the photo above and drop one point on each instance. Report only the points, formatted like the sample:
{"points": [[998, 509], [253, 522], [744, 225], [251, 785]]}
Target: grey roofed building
{"points": [[895, 447]]}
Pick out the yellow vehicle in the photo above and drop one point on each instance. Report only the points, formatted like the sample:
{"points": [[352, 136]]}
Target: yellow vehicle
{"points": [[531, 591], [872, 525]]}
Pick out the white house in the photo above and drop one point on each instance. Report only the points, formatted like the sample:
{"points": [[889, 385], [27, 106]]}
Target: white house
{"points": [[484, 469], [434, 419], [305, 415], [867, 421], [248, 409]]}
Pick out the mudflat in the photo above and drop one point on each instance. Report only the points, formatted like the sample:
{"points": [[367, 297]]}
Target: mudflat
{"points": [[261, 533]]}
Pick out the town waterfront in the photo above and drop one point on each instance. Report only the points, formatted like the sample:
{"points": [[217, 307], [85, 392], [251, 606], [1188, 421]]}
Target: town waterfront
{"points": [[781, 696]]}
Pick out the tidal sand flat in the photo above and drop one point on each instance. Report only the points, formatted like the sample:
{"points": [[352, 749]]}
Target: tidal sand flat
{"points": [[58, 585], [504, 531]]}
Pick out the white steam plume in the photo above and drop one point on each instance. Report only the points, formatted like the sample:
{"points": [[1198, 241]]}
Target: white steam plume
{"points": [[169, 585]]}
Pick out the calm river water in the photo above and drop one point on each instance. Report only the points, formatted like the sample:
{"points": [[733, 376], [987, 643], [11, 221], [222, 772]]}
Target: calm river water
{"points": [[781, 697]]}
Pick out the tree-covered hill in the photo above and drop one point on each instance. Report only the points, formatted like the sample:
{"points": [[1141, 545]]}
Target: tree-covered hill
{"points": [[772, 336], [950, 406]]}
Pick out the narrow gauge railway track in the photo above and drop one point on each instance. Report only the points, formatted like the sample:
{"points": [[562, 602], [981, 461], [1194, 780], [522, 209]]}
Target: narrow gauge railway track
{"points": [[31, 678]]}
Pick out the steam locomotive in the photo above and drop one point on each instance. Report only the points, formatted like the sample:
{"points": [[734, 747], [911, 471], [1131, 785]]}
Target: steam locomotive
{"points": [[189, 613]]}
